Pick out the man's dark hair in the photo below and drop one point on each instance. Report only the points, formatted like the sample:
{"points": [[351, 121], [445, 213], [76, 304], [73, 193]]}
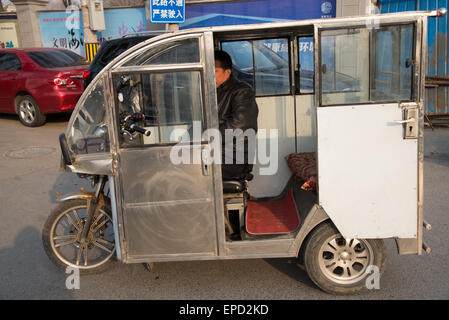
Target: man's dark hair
{"points": [[224, 60]]}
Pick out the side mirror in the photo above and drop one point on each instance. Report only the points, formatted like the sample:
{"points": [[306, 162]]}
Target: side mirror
{"points": [[65, 149]]}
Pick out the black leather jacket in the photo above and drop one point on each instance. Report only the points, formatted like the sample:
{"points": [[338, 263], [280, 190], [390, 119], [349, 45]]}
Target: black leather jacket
{"points": [[237, 107]]}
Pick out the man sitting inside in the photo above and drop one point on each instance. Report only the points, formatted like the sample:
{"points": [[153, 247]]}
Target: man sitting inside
{"points": [[237, 109]]}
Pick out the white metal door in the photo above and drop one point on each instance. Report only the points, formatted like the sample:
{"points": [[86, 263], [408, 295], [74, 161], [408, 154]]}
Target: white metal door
{"points": [[369, 125]]}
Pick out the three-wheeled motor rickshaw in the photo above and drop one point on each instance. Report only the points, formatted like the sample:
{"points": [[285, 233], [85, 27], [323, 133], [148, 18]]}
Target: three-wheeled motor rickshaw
{"points": [[356, 102]]}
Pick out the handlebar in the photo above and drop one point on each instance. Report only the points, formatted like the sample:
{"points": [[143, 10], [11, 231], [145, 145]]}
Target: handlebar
{"points": [[135, 127], [129, 125]]}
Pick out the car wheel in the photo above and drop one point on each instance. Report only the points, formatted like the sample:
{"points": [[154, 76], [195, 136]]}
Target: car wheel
{"points": [[338, 265], [29, 112]]}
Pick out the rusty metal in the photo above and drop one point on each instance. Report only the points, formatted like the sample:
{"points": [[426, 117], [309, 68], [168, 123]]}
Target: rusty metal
{"points": [[437, 77], [437, 83]]}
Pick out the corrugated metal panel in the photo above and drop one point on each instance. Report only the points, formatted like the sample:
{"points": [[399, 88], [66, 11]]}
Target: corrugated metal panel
{"points": [[437, 80]]}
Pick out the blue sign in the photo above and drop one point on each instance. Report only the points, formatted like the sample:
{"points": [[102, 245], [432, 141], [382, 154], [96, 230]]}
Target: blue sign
{"points": [[167, 11], [256, 11]]}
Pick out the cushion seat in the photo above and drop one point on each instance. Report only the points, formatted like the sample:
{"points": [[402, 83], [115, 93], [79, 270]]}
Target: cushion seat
{"points": [[233, 186], [236, 185]]}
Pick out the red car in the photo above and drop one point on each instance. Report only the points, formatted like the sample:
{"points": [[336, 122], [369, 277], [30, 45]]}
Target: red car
{"points": [[38, 81]]}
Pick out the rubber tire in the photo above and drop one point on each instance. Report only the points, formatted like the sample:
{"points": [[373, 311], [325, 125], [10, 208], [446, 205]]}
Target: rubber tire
{"points": [[39, 118], [313, 244], [64, 206]]}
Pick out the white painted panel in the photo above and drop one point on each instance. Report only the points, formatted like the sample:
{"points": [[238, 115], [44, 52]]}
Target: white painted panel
{"points": [[274, 113], [305, 123], [367, 172]]}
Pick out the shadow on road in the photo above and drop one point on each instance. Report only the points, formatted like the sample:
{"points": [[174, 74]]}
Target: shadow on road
{"points": [[51, 118], [291, 268], [26, 271], [59, 117], [441, 159]]}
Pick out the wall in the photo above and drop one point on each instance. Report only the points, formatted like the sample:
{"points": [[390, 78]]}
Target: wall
{"points": [[437, 69], [9, 31], [346, 8]]}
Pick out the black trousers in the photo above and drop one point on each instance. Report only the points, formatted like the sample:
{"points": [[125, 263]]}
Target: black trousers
{"points": [[235, 171]]}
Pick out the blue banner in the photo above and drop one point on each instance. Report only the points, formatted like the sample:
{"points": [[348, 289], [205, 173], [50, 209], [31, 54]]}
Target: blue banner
{"points": [[60, 29], [120, 22], [256, 11]]}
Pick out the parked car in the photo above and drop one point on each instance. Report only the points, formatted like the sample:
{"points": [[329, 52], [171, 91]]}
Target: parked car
{"points": [[38, 81], [273, 74], [109, 50]]}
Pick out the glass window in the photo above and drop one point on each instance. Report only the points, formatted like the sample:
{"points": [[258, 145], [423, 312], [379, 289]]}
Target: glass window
{"points": [[345, 66], [363, 65], [9, 62], [392, 63], [263, 64], [241, 53], [306, 65], [89, 132], [170, 101], [57, 58], [172, 52]]}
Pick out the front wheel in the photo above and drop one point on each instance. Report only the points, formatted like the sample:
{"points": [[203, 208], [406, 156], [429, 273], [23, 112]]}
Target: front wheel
{"points": [[61, 237], [338, 265]]}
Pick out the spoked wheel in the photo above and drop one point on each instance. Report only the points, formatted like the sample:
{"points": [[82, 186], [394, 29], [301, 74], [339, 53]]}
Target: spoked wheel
{"points": [[29, 112], [62, 237], [338, 265]]}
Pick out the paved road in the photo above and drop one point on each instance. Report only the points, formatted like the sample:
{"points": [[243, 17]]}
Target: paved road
{"points": [[28, 187]]}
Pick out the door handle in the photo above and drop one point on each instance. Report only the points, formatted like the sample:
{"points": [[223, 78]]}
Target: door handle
{"points": [[205, 161], [410, 122], [404, 121]]}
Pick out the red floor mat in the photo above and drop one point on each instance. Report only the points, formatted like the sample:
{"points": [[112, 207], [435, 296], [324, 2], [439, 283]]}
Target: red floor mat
{"points": [[272, 217]]}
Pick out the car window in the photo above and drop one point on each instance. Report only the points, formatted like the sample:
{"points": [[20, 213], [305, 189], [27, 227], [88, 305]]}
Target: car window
{"points": [[263, 64], [171, 102], [9, 62], [57, 58], [360, 65], [171, 52]]}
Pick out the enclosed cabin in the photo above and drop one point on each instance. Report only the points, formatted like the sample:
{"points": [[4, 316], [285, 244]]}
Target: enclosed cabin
{"points": [[339, 138]]}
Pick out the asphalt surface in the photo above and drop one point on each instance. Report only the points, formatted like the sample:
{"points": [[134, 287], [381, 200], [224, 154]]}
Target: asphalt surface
{"points": [[29, 180]]}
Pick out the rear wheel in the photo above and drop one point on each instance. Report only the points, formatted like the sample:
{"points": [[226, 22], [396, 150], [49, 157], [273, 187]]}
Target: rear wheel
{"points": [[62, 234], [29, 112], [338, 265]]}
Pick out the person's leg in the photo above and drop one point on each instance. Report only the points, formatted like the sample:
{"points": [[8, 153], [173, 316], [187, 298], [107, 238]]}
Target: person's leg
{"points": [[232, 171]]}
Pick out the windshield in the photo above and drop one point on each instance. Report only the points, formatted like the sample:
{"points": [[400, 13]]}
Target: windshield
{"points": [[57, 59], [89, 131]]}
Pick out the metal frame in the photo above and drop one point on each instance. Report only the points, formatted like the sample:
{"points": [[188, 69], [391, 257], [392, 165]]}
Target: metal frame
{"points": [[242, 249]]}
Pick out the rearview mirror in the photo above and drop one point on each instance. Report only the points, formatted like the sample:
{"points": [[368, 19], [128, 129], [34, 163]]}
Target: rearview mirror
{"points": [[65, 149]]}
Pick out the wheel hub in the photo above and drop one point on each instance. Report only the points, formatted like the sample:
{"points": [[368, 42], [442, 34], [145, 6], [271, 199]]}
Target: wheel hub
{"points": [[345, 260], [345, 256]]}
